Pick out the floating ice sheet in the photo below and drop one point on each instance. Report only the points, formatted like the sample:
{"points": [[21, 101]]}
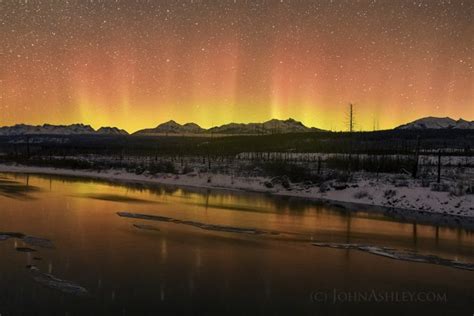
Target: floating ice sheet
{"points": [[229, 229], [38, 242], [25, 249], [45, 279], [55, 283], [146, 227], [7, 235], [400, 254], [30, 240]]}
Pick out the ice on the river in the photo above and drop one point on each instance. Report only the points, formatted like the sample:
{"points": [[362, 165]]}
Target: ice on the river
{"points": [[55, 283], [45, 279], [400, 254], [8, 235], [38, 242], [229, 229], [30, 240], [25, 249], [146, 227]]}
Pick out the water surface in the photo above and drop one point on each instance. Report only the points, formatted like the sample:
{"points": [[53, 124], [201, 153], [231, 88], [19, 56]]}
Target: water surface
{"points": [[184, 269]]}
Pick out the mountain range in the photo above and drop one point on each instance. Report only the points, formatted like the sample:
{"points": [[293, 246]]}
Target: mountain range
{"points": [[171, 127], [438, 123], [48, 129], [273, 126]]}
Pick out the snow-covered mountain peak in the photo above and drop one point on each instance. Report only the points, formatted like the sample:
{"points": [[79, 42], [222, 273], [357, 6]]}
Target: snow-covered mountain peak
{"points": [[49, 129], [438, 123]]}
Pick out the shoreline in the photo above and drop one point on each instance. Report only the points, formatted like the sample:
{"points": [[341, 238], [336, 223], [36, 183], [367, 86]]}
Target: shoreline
{"points": [[342, 198]]}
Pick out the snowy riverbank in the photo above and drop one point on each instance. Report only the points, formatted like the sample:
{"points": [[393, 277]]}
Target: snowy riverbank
{"points": [[403, 198]]}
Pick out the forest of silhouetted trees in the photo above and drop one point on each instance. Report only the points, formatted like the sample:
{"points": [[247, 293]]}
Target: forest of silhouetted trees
{"points": [[380, 142], [300, 156]]}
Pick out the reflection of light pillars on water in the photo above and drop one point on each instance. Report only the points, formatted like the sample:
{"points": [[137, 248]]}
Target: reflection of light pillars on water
{"points": [[198, 260], [28, 258], [268, 288], [191, 284], [162, 292], [164, 250], [197, 270]]}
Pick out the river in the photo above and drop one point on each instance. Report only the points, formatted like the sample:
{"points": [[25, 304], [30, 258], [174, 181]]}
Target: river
{"points": [[174, 267]]}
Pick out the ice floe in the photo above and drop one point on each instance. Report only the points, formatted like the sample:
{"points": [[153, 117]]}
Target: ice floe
{"points": [[229, 229], [146, 227], [25, 249], [30, 240], [55, 283], [396, 254], [7, 235], [45, 279], [38, 242]]}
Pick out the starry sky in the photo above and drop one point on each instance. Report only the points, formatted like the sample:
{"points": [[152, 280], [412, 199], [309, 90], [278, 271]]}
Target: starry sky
{"points": [[135, 64]]}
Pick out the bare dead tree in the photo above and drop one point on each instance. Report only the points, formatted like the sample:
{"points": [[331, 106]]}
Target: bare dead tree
{"points": [[351, 124], [350, 118], [375, 124]]}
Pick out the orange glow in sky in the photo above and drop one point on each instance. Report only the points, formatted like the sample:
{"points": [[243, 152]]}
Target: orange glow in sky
{"points": [[135, 64]]}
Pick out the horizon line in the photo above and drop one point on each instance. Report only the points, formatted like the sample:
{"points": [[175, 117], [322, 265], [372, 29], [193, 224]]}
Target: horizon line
{"points": [[230, 122]]}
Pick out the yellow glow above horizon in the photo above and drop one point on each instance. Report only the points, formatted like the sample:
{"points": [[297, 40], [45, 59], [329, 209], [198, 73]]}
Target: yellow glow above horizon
{"points": [[136, 64]]}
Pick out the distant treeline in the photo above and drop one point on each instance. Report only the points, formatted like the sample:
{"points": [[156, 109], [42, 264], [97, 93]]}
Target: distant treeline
{"points": [[379, 142]]}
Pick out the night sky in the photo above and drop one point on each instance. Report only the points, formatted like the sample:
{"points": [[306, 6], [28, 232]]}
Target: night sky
{"points": [[135, 64]]}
